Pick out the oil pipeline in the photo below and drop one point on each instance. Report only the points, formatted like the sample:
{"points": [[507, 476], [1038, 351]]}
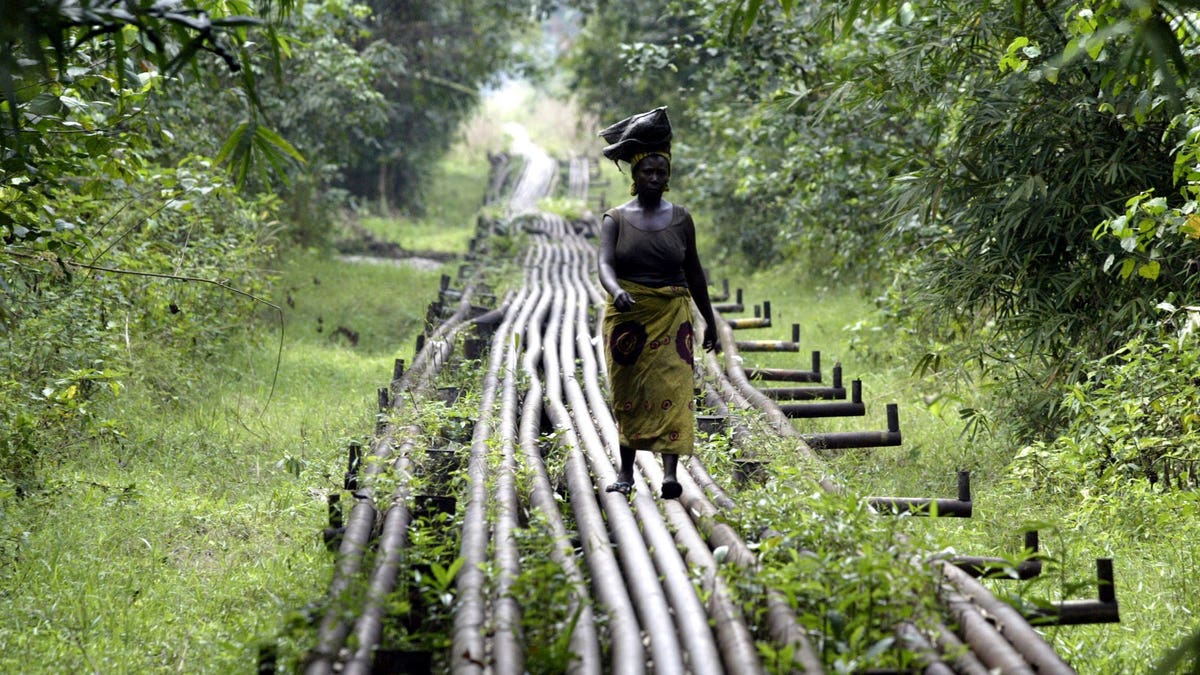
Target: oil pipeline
{"points": [[651, 597]]}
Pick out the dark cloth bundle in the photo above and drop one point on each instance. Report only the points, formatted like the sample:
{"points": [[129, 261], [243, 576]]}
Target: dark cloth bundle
{"points": [[637, 134]]}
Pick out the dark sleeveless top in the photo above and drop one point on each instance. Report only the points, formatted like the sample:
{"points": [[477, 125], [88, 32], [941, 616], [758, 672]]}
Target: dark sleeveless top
{"points": [[652, 259]]}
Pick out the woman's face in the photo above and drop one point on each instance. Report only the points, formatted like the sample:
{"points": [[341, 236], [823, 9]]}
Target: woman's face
{"points": [[652, 174]]}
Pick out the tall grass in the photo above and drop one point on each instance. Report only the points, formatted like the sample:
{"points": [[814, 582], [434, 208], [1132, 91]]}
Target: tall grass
{"points": [[189, 533]]}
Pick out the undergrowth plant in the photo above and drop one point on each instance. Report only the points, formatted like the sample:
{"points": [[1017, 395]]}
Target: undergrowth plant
{"points": [[547, 596], [851, 578], [86, 314], [1135, 420]]}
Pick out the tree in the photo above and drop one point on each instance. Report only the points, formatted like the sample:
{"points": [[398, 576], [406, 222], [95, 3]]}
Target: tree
{"points": [[1008, 164], [430, 61]]}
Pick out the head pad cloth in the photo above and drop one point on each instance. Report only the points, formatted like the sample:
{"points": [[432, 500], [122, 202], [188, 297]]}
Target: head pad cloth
{"points": [[637, 136]]}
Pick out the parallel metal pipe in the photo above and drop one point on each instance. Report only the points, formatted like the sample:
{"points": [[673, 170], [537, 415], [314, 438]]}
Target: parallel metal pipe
{"points": [[782, 624], [368, 628], [839, 440], [640, 573], [628, 654], [912, 638], [723, 294], [733, 368], [334, 628], [805, 393], [919, 506], [507, 650], [788, 375], [724, 306], [437, 348], [738, 323], [965, 662], [852, 408], [468, 650], [1077, 612], [1009, 623], [623, 623], [767, 346], [835, 391], [737, 647], [985, 642], [360, 527], [690, 617]]}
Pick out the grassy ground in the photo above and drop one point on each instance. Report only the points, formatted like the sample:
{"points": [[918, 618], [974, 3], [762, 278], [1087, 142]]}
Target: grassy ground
{"points": [[191, 534], [455, 196], [1154, 555]]}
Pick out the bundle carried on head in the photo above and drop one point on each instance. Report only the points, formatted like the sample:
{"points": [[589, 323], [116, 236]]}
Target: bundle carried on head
{"points": [[637, 136]]}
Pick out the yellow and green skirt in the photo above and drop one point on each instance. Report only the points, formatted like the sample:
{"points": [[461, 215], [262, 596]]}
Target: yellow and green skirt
{"points": [[650, 371]]}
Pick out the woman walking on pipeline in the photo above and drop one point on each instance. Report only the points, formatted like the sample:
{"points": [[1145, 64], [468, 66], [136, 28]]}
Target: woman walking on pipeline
{"points": [[650, 267]]}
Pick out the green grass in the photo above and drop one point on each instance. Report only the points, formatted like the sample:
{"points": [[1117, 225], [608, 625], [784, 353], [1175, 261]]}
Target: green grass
{"points": [[190, 535], [455, 197], [1148, 536]]}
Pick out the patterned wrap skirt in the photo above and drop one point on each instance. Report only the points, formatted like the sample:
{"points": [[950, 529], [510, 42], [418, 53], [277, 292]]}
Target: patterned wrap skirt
{"points": [[651, 377]]}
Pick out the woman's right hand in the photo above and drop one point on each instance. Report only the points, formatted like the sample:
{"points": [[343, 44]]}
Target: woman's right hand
{"points": [[623, 301]]}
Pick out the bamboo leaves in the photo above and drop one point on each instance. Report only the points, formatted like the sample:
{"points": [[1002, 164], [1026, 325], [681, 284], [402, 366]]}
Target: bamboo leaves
{"points": [[251, 140]]}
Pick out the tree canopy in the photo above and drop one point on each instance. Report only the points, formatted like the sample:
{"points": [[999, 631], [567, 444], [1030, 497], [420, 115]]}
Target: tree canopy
{"points": [[1017, 178], [154, 156]]}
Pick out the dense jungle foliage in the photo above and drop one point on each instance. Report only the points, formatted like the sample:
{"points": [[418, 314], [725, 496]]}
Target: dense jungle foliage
{"points": [[156, 157], [1015, 184], [1015, 181]]}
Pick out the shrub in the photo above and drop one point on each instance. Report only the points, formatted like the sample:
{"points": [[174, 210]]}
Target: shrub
{"points": [[1136, 417], [132, 287]]}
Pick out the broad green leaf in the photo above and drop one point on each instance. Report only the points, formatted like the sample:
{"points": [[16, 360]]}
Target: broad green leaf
{"points": [[851, 15], [1127, 267], [1191, 228], [1149, 270], [231, 144]]}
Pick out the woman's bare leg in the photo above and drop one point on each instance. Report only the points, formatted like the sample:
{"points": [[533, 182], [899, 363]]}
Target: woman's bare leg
{"points": [[670, 485], [625, 473], [670, 462]]}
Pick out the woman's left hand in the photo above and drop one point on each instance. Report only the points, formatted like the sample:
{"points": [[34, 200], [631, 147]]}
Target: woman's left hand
{"points": [[711, 343]]}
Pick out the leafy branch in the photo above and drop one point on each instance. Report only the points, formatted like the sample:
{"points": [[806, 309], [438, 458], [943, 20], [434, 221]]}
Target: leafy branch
{"points": [[189, 279]]}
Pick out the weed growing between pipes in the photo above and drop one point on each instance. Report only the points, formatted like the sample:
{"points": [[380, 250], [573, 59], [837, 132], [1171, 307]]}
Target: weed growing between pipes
{"points": [[554, 458], [718, 453], [419, 611], [551, 604], [849, 575]]}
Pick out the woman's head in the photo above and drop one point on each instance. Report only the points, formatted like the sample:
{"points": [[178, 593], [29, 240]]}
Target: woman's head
{"points": [[638, 139], [651, 174]]}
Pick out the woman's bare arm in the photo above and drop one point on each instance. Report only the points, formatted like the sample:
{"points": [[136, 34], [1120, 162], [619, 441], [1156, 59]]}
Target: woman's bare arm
{"points": [[693, 271], [608, 271]]}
